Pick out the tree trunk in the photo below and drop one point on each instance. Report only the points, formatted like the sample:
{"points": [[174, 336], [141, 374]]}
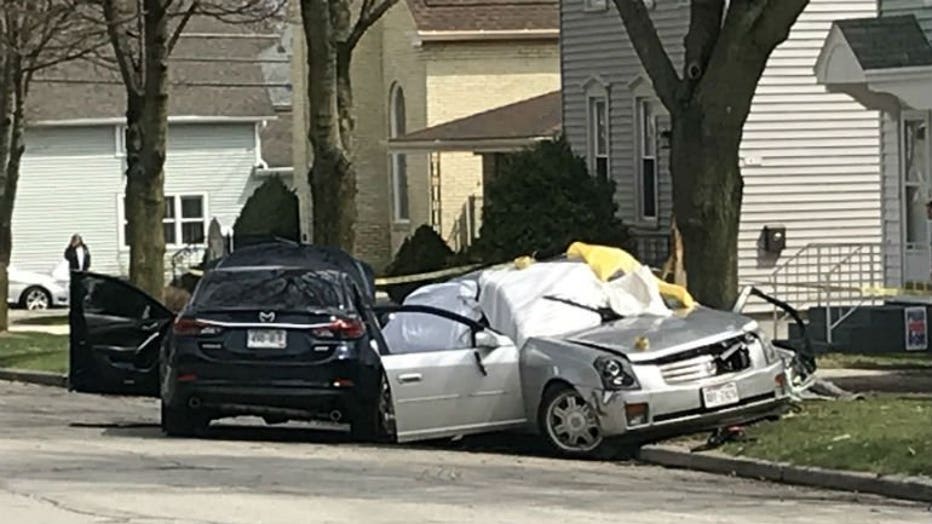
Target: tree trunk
{"points": [[332, 177], [707, 189], [147, 133], [7, 121]]}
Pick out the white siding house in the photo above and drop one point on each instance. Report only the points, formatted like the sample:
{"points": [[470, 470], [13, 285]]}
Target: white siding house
{"points": [[886, 64], [224, 138], [810, 158]]}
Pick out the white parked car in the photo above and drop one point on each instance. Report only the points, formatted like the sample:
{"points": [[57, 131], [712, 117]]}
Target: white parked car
{"points": [[36, 291]]}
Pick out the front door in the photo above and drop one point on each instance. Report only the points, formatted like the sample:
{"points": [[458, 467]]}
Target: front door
{"points": [[451, 388], [917, 194], [116, 335]]}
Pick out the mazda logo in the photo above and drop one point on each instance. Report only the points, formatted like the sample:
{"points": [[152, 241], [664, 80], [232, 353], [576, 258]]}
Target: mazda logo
{"points": [[267, 317]]}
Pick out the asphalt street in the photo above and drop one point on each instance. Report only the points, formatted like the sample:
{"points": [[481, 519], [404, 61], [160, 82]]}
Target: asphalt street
{"points": [[73, 458]]}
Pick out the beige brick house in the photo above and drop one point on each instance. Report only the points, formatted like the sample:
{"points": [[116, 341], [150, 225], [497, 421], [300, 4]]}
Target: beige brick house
{"points": [[426, 63]]}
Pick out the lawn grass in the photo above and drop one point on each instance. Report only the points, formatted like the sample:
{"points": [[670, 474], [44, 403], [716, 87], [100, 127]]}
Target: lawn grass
{"points": [[885, 361], [883, 434], [34, 351], [56, 320]]}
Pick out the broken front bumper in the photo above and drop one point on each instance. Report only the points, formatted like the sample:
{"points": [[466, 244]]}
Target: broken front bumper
{"points": [[659, 412]]}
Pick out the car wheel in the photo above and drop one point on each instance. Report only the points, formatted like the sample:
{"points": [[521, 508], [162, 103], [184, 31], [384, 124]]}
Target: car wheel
{"points": [[183, 422], [376, 423], [570, 425], [36, 299]]}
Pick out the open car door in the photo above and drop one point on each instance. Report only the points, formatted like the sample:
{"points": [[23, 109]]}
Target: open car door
{"points": [[448, 374], [116, 336]]}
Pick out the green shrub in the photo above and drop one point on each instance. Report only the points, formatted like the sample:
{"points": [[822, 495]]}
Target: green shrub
{"points": [[543, 199], [422, 252], [271, 211]]}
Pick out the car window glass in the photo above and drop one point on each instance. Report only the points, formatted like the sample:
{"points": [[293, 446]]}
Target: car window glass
{"points": [[112, 298], [407, 332], [281, 289]]}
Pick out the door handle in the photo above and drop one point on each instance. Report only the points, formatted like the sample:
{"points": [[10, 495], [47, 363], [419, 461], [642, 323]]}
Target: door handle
{"points": [[407, 378]]}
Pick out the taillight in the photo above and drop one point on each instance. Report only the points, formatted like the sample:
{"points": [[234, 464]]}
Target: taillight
{"points": [[189, 327], [342, 328]]}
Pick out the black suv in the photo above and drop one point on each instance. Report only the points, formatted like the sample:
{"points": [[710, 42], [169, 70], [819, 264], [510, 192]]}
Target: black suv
{"points": [[282, 331]]}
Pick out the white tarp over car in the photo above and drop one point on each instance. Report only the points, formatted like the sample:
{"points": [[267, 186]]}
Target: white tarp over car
{"points": [[544, 299], [417, 332]]}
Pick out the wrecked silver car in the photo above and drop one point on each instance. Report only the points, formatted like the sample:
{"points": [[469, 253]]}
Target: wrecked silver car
{"points": [[588, 364]]}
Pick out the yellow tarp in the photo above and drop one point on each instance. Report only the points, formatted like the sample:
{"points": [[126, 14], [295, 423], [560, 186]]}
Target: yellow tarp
{"points": [[607, 261]]}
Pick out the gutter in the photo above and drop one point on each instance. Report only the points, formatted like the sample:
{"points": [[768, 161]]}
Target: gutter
{"points": [[482, 145], [271, 171], [493, 35], [188, 119]]}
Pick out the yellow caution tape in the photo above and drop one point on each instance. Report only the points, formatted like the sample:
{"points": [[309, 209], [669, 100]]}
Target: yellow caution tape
{"points": [[911, 289], [422, 277]]}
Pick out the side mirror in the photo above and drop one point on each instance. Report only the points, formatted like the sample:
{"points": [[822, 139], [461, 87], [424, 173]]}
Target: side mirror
{"points": [[487, 340]]}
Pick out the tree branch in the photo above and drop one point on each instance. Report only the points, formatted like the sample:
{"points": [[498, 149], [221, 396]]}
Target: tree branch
{"points": [[773, 25], [369, 14], [643, 36], [122, 50], [705, 26], [185, 18]]}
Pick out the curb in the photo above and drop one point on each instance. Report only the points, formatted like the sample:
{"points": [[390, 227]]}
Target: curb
{"points": [[894, 486], [34, 377]]}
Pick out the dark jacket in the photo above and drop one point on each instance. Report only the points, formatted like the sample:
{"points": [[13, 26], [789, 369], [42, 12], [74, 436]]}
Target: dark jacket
{"points": [[71, 255]]}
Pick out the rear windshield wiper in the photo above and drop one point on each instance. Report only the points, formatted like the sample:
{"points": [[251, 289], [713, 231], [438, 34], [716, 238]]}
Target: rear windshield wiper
{"points": [[607, 314]]}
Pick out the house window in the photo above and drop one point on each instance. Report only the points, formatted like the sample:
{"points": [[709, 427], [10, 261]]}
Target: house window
{"points": [[598, 136], [397, 128], [647, 159], [185, 221], [596, 5], [916, 186]]}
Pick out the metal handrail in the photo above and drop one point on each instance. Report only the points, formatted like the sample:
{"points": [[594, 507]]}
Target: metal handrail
{"points": [[813, 272]]}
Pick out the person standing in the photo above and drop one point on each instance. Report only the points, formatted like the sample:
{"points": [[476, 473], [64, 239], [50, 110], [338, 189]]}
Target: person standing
{"points": [[77, 254]]}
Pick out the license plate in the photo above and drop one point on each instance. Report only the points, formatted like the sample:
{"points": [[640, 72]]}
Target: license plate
{"points": [[717, 396], [266, 338]]}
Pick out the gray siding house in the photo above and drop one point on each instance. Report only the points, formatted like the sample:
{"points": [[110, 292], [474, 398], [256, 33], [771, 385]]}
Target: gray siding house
{"points": [[225, 136], [810, 157], [885, 63]]}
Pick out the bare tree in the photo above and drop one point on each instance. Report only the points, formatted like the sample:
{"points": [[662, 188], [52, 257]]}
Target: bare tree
{"points": [[727, 47], [34, 35], [142, 35], [332, 29]]}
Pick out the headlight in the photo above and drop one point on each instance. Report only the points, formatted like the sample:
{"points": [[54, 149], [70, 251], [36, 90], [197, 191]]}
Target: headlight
{"points": [[757, 339], [616, 373]]}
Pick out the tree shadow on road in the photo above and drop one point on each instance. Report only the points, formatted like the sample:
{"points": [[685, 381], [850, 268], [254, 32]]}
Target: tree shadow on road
{"points": [[494, 443]]}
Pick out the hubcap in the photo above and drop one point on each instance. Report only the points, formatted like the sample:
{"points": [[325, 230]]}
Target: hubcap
{"points": [[37, 300], [572, 424]]}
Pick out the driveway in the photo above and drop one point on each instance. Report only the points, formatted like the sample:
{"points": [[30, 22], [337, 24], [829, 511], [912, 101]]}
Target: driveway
{"points": [[70, 458]]}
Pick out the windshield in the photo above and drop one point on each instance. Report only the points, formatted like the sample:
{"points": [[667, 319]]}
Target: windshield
{"points": [[278, 289]]}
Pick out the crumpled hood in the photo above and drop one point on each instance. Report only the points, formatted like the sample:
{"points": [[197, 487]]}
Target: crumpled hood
{"points": [[667, 335]]}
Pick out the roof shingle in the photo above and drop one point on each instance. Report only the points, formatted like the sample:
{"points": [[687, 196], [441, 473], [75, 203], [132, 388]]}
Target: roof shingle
{"points": [[887, 42], [80, 90], [485, 15], [537, 117]]}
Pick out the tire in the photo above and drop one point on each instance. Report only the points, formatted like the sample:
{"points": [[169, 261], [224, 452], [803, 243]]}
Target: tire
{"points": [[35, 298], [375, 422], [182, 422], [575, 434]]}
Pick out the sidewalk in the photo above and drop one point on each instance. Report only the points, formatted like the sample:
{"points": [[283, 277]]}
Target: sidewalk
{"points": [[51, 330], [916, 381]]}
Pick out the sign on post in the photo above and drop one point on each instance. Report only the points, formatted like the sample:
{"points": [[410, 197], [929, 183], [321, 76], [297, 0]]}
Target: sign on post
{"points": [[917, 329]]}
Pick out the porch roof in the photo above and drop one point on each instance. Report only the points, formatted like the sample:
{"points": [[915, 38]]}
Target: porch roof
{"points": [[884, 62], [503, 129]]}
